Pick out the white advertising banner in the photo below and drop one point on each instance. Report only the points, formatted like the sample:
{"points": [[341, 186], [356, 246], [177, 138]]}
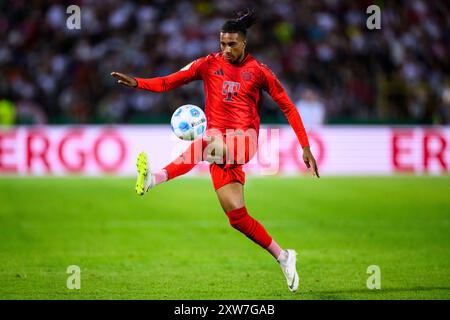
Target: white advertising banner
{"points": [[339, 150]]}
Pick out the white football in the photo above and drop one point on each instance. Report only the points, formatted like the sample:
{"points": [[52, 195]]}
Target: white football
{"points": [[188, 122]]}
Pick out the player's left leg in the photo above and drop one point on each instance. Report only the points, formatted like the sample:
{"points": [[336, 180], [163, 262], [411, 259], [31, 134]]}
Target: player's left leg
{"points": [[230, 192]]}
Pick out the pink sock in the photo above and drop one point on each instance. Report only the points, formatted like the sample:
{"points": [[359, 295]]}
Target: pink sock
{"points": [[274, 249], [160, 176]]}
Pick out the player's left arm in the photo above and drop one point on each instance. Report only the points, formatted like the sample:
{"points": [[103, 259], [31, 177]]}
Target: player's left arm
{"points": [[273, 86]]}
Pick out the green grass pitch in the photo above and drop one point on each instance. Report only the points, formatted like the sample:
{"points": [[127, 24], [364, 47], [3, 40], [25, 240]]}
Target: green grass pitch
{"points": [[176, 243]]}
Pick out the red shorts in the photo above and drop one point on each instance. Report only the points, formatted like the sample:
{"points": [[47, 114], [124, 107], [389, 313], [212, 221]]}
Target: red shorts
{"points": [[241, 147], [226, 163], [224, 174]]}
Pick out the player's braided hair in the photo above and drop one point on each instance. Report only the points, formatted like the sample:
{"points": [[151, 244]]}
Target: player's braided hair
{"points": [[245, 19]]}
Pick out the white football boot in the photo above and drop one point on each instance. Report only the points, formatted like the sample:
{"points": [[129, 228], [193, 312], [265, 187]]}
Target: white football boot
{"points": [[145, 179], [289, 269]]}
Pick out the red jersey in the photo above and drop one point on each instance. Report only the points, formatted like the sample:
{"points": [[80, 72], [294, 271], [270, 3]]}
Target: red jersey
{"points": [[232, 92]]}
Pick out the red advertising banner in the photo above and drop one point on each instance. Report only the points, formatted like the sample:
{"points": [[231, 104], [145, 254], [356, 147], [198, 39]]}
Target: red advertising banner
{"points": [[100, 150]]}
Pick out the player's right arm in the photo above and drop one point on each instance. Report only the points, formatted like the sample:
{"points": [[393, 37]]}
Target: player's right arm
{"points": [[189, 73]]}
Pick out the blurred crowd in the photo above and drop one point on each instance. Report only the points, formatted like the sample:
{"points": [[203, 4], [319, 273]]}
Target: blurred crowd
{"points": [[320, 50]]}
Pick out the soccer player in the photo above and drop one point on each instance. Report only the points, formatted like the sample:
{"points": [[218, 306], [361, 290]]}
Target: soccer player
{"points": [[233, 81]]}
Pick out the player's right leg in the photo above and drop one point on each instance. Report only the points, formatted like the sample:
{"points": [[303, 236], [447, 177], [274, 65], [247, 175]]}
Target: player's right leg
{"points": [[143, 174], [210, 147], [185, 162]]}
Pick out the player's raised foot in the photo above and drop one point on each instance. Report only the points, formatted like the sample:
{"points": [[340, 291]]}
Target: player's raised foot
{"points": [[143, 174], [288, 266]]}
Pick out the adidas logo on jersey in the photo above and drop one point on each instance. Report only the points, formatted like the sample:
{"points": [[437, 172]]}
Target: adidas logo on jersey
{"points": [[219, 72]]}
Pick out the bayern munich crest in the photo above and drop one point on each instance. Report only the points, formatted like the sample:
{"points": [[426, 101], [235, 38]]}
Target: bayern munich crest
{"points": [[246, 75]]}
